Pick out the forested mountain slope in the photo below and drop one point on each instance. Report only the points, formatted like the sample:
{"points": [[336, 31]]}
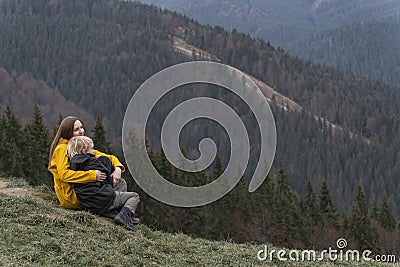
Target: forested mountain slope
{"points": [[360, 36], [369, 48]]}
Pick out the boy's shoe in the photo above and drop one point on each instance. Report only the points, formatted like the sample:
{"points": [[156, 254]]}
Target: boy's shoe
{"points": [[135, 220], [125, 220]]}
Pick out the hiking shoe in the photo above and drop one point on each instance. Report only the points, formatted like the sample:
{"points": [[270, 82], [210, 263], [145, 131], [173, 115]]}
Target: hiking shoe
{"points": [[135, 220], [125, 220]]}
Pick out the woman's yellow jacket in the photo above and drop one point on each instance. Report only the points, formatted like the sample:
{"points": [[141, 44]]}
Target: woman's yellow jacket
{"points": [[63, 176]]}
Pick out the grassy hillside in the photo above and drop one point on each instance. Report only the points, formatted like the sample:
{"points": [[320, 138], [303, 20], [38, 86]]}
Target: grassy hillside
{"points": [[37, 232]]}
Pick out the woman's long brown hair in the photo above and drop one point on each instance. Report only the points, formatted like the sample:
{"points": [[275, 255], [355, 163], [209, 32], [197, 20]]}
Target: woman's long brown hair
{"points": [[65, 130]]}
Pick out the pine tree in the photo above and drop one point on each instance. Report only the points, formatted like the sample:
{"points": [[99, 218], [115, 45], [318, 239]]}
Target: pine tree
{"points": [[360, 224], [311, 206], [375, 211], [217, 168], [345, 222], [220, 216], [60, 119], [36, 144], [289, 222], [266, 196], [164, 167], [311, 212], [99, 137], [243, 209], [327, 210], [385, 214], [11, 151], [3, 142]]}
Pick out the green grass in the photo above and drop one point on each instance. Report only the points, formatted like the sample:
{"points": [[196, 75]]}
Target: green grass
{"points": [[34, 234]]}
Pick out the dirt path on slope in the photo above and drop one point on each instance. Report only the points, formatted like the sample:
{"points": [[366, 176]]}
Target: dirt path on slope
{"points": [[20, 192], [28, 192]]}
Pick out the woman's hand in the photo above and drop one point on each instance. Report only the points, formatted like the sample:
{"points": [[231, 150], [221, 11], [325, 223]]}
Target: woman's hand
{"points": [[116, 175], [100, 176]]}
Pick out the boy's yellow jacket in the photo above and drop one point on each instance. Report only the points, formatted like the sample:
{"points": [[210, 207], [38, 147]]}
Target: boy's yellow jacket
{"points": [[63, 176]]}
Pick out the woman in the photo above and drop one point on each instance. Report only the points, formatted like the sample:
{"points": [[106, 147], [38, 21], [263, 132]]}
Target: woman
{"points": [[63, 175]]}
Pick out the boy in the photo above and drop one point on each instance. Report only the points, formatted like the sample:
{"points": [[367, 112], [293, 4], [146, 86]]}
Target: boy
{"points": [[100, 197]]}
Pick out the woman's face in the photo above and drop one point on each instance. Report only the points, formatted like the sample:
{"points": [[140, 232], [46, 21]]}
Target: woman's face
{"points": [[78, 129]]}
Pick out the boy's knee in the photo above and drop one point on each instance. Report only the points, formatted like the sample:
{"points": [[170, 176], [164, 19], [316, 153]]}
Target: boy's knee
{"points": [[122, 186], [135, 196]]}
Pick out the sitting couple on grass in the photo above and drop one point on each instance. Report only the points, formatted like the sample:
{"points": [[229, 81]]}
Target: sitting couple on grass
{"points": [[88, 178]]}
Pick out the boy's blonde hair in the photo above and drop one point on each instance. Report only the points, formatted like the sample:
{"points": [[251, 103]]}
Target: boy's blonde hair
{"points": [[77, 144]]}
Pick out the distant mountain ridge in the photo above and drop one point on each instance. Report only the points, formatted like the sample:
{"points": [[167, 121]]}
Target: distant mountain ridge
{"points": [[257, 16], [368, 48], [302, 28]]}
